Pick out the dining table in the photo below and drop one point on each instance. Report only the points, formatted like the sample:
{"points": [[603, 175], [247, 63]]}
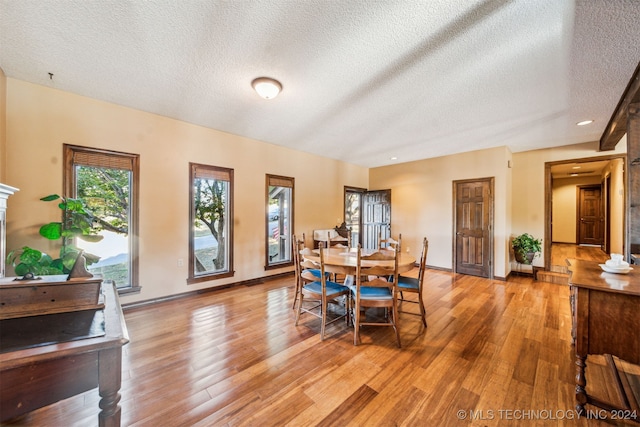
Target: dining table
{"points": [[344, 260]]}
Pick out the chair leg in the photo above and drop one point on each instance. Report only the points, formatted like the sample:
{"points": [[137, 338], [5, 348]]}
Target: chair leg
{"points": [[299, 308], [356, 324], [423, 312], [347, 309], [295, 297], [394, 315], [325, 306]]}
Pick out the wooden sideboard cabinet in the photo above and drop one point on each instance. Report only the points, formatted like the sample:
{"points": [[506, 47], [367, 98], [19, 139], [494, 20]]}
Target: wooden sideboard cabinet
{"points": [[47, 358], [605, 321]]}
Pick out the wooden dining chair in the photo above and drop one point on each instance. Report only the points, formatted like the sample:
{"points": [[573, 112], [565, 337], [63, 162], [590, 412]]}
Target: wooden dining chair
{"points": [[338, 242], [415, 285], [389, 243], [305, 271], [323, 292], [375, 287]]}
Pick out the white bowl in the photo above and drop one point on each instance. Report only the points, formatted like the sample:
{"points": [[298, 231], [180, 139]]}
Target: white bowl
{"points": [[616, 264], [622, 270]]}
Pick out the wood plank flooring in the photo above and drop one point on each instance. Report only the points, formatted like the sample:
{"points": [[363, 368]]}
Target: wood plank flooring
{"points": [[494, 353], [561, 251]]}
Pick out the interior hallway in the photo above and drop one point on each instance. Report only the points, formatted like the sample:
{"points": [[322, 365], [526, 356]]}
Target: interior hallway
{"points": [[560, 252]]}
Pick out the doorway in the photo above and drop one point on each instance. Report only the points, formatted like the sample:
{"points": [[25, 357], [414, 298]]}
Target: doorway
{"points": [[611, 170], [368, 215], [473, 223]]}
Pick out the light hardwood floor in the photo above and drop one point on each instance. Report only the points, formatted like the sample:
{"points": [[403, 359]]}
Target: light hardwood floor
{"points": [[234, 358], [561, 251]]}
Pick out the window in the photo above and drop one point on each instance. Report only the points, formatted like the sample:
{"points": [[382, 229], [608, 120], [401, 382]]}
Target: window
{"points": [[279, 221], [211, 229], [107, 182]]}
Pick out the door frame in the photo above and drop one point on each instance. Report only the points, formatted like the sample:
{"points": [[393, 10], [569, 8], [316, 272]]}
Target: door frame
{"points": [[606, 189], [491, 204], [548, 205], [363, 192]]}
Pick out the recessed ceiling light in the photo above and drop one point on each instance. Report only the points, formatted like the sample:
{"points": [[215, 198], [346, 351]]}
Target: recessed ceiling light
{"points": [[584, 122], [394, 158]]}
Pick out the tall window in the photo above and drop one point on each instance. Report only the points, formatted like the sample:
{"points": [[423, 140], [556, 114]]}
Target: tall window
{"points": [[211, 230], [279, 220], [107, 182]]}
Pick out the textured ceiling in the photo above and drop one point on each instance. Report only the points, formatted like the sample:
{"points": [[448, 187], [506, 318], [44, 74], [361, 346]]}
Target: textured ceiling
{"points": [[364, 80]]}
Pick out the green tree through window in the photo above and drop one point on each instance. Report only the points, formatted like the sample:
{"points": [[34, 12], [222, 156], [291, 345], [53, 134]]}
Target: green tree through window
{"points": [[211, 228], [107, 183]]}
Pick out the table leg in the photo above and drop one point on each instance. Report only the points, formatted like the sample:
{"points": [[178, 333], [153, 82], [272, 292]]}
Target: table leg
{"points": [[109, 381], [581, 384]]}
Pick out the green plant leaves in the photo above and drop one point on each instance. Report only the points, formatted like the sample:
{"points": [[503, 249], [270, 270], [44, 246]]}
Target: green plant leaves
{"points": [[76, 222], [30, 256], [51, 231], [69, 259], [525, 244], [22, 269], [29, 260], [50, 198]]}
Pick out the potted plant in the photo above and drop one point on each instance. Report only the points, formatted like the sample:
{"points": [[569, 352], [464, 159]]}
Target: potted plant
{"points": [[526, 248], [76, 222]]}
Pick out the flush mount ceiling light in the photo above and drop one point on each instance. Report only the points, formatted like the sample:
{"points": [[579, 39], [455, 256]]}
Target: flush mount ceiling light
{"points": [[584, 122], [266, 87]]}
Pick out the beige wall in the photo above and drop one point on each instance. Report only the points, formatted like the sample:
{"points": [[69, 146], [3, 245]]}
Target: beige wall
{"points": [[528, 183], [40, 120], [615, 170], [422, 202], [565, 207]]}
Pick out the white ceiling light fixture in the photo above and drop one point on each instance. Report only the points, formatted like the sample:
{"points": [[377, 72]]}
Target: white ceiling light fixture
{"points": [[584, 122], [266, 87]]}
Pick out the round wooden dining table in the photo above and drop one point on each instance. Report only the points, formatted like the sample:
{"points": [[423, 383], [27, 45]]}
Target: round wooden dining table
{"points": [[344, 260]]}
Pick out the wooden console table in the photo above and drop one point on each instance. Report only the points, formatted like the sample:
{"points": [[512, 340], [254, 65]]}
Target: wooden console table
{"points": [[63, 354], [605, 321]]}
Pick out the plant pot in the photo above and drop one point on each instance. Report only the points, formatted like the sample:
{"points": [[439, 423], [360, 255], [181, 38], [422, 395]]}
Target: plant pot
{"points": [[526, 259]]}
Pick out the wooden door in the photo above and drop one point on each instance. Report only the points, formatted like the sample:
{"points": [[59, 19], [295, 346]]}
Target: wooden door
{"points": [[473, 227], [590, 219], [376, 217]]}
